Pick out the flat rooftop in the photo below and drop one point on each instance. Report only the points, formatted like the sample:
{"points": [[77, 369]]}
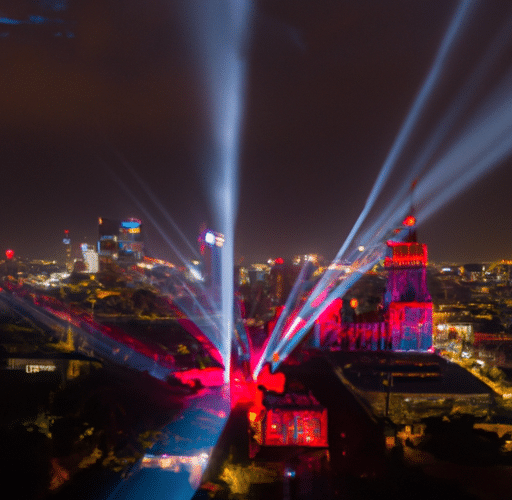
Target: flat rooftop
{"points": [[408, 372]]}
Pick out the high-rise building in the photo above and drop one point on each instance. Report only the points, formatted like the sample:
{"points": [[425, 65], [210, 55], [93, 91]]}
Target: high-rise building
{"points": [[90, 258], [108, 230], [211, 245], [67, 245], [120, 241], [131, 244]]}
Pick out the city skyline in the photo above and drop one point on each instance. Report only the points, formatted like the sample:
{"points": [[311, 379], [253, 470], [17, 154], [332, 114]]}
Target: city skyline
{"points": [[115, 88]]}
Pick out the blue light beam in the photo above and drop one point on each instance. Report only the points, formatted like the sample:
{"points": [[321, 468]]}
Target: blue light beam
{"points": [[212, 334], [412, 118], [291, 303], [332, 274], [309, 313], [398, 207], [157, 203], [221, 30]]}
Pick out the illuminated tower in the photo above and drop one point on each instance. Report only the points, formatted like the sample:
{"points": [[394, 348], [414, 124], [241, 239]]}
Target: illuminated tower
{"points": [[67, 244], [211, 246], [407, 301]]}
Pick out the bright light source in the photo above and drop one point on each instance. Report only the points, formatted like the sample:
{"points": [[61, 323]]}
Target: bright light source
{"points": [[219, 240], [9, 254], [196, 274], [289, 472], [361, 248], [209, 238], [409, 221]]}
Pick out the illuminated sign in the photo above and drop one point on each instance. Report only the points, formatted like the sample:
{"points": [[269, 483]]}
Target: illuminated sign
{"points": [[39, 368], [134, 230], [131, 224]]}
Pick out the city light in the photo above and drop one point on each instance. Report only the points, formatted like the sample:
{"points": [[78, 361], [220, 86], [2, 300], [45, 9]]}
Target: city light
{"points": [[305, 322], [209, 238], [409, 221]]}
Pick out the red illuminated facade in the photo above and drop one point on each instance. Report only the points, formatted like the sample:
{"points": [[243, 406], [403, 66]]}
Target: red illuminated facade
{"points": [[410, 326], [290, 419], [404, 322], [407, 301]]}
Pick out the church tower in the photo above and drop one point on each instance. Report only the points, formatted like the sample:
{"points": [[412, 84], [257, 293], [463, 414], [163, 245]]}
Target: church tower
{"points": [[407, 301]]}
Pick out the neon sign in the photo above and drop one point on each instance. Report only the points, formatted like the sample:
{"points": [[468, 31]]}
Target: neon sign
{"points": [[39, 368]]}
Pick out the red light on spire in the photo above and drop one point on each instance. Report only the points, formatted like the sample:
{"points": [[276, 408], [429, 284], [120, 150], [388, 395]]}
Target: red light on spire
{"points": [[409, 221], [9, 254], [279, 260]]}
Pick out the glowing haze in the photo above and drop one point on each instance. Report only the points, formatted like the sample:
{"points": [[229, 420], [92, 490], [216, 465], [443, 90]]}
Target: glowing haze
{"points": [[447, 164], [221, 31]]}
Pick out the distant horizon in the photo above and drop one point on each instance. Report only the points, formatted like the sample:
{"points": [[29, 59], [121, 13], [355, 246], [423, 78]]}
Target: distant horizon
{"points": [[246, 262]]}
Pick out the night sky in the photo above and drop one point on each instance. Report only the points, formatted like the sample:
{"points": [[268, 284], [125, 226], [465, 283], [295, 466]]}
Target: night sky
{"points": [[93, 88]]}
